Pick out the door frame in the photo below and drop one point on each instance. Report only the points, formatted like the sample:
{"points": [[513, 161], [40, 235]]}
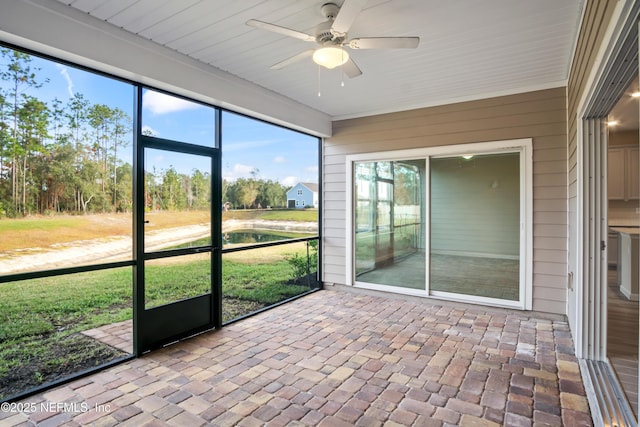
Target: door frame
{"points": [[586, 295], [162, 325], [523, 146]]}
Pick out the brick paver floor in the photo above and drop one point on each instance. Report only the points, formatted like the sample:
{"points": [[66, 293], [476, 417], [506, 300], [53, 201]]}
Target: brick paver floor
{"points": [[338, 358], [118, 335]]}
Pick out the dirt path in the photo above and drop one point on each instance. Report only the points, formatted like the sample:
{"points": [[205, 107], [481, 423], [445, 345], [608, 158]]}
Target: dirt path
{"points": [[95, 251]]}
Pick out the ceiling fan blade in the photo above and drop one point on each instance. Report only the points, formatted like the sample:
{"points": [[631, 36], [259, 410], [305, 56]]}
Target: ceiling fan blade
{"points": [[347, 15], [351, 69], [384, 43], [294, 58], [281, 30]]}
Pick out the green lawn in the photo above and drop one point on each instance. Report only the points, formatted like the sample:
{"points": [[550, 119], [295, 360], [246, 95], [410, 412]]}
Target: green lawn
{"points": [[300, 215], [41, 319]]}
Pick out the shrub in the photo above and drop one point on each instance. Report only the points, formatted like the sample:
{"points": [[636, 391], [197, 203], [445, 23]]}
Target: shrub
{"points": [[299, 264]]}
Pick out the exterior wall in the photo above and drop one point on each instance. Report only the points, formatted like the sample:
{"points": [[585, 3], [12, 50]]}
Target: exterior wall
{"points": [[307, 198], [596, 19], [539, 115]]}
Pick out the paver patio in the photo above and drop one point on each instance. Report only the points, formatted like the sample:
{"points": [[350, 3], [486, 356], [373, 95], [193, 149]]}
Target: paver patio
{"points": [[337, 358]]}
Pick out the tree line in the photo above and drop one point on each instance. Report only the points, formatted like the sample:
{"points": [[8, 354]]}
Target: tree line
{"points": [[66, 157]]}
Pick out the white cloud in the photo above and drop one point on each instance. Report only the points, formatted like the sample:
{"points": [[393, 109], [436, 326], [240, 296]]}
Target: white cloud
{"points": [[312, 169], [159, 103], [238, 170], [280, 159], [242, 169], [290, 181], [67, 77], [147, 130]]}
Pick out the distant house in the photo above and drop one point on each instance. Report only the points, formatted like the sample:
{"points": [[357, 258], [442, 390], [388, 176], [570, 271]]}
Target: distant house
{"points": [[303, 194]]}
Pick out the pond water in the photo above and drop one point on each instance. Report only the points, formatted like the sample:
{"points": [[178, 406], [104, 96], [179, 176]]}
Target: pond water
{"points": [[247, 237]]}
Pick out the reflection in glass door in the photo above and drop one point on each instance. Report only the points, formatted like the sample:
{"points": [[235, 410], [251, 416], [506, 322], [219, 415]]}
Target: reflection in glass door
{"points": [[475, 225], [390, 224]]}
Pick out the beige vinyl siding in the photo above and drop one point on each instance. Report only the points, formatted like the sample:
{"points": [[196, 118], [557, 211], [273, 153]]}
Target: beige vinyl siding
{"points": [[596, 19], [539, 115]]}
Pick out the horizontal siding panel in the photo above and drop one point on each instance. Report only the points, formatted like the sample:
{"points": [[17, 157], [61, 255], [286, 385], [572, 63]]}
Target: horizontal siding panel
{"points": [[454, 136], [550, 142], [552, 294], [559, 166], [546, 230], [335, 237], [334, 178], [549, 218], [333, 186], [545, 192], [552, 124], [550, 268], [507, 106], [333, 196], [333, 278], [335, 160], [329, 214], [337, 224], [549, 154], [542, 219], [338, 261], [549, 306], [547, 255], [554, 243], [549, 180], [336, 168], [549, 205], [550, 281]]}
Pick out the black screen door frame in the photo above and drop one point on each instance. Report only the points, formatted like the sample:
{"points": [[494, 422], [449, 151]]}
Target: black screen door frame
{"points": [[159, 326]]}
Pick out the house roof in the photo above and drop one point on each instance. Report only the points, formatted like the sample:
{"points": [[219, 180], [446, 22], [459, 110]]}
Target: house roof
{"points": [[310, 185], [468, 50]]}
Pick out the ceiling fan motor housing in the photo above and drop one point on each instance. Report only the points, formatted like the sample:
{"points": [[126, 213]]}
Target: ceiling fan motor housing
{"points": [[324, 34], [330, 10]]}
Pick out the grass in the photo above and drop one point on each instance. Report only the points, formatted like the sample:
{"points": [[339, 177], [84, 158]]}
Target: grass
{"points": [[41, 319], [304, 215]]}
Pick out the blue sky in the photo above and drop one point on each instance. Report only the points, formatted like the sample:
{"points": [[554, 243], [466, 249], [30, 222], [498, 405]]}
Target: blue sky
{"points": [[248, 145]]}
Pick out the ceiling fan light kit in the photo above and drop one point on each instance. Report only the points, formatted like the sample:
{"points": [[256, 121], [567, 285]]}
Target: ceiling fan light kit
{"points": [[330, 56], [332, 37]]}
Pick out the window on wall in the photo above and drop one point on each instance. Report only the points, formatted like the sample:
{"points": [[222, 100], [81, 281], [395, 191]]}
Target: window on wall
{"points": [[66, 151], [270, 235], [65, 164], [450, 222], [172, 118]]}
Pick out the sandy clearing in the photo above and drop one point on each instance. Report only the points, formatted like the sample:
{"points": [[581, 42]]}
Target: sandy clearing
{"points": [[119, 248]]}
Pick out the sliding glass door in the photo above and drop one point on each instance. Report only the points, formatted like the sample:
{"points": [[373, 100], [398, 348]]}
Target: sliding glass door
{"points": [[449, 222], [475, 225]]}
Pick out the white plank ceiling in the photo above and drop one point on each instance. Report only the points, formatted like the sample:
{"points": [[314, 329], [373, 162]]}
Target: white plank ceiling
{"points": [[469, 49]]}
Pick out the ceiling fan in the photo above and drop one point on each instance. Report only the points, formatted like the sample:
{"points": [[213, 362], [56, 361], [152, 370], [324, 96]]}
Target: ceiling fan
{"points": [[331, 35]]}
